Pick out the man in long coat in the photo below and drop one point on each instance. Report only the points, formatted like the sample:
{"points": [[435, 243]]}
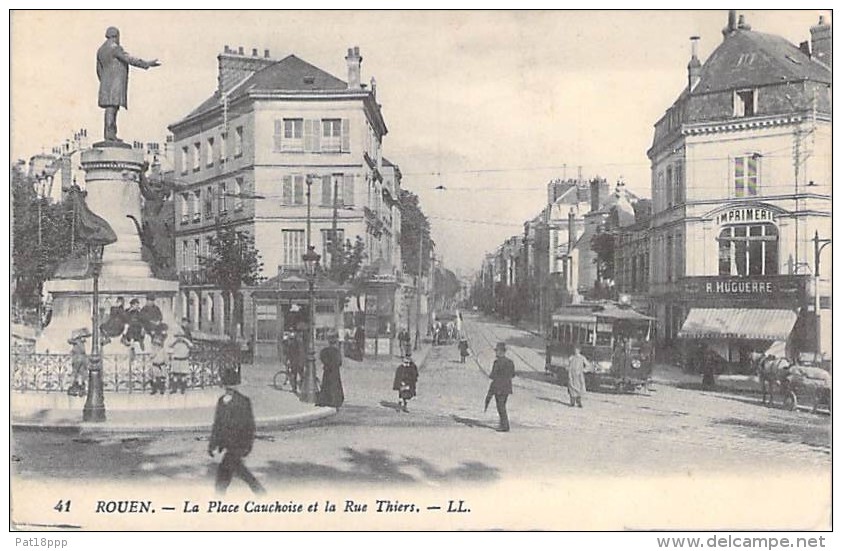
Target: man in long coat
{"points": [[112, 69], [233, 433], [576, 377], [502, 373]]}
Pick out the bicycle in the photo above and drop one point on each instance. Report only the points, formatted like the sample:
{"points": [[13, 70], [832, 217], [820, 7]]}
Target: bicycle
{"points": [[286, 377]]}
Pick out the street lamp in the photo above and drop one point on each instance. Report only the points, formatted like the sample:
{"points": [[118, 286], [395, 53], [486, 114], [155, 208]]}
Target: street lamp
{"points": [[308, 386], [818, 246], [94, 410], [43, 188]]}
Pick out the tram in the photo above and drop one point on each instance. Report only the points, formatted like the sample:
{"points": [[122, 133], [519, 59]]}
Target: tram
{"points": [[617, 341]]}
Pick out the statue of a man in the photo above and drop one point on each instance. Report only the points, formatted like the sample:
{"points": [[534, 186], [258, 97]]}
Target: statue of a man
{"points": [[112, 69]]}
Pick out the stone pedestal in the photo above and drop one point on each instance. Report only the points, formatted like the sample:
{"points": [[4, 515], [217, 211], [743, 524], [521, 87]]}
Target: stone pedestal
{"points": [[111, 175]]}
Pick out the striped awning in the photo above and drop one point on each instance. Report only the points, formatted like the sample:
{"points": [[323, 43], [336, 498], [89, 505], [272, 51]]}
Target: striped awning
{"points": [[738, 323]]}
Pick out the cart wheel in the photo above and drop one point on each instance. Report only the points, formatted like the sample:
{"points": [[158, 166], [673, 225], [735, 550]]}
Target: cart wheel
{"points": [[790, 401]]}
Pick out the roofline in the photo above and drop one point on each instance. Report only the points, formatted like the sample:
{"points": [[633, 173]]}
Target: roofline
{"points": [[298, 95]]}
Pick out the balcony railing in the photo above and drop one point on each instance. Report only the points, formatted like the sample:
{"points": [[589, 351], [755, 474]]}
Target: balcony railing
{"points": [[193, 277]]}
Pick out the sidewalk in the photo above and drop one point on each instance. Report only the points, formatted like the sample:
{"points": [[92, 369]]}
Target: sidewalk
{"points": [[190, 412]]}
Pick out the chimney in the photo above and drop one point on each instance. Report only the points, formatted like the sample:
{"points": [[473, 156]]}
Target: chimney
{"points": [[595, 194], [732, 24], [354, 61], [694, 68], [741, 24], [821, 42], [234, 67]]}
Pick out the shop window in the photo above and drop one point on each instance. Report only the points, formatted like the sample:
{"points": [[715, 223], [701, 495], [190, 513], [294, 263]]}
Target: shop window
{"points": [[748, 250]]}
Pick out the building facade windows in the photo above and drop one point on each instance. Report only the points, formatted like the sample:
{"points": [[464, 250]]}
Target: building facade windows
{"points": [[238, 194], [679, 183], [185, 208], [289, 135], [293, 190], [669, 188], [331, 135], [197, 251], [197, 156], [197, 202], [220, 200], [209, 153], [748, 250], [223, 144], [238, 141], [209, 202], [185, 156], [185, 255], [745, 103], [293, 247], [746, 176]]}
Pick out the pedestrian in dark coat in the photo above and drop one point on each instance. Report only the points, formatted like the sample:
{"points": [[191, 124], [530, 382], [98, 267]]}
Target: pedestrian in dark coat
{"points": [[502, 373], [150, 316], [233, 433], [134, 331], [463, 349], [406, 378], [116, 322], [331, 393], [359, 339]]}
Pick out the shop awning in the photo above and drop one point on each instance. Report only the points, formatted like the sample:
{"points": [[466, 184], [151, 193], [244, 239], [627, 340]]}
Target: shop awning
{"points": [[738, 323]]}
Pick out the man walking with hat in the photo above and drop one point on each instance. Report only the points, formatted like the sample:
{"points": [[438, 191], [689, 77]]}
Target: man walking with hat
{"points": [[502, 373], [233, 432]]}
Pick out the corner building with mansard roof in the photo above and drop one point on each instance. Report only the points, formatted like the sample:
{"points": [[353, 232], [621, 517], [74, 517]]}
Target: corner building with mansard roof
{"points": [[741, 186], [242, 159]]}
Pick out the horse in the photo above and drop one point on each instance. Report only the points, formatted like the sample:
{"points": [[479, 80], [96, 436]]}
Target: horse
{"points": [[771, 371], [811, 380]]}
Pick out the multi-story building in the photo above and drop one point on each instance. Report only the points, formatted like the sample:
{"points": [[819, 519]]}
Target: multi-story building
{"points": [[741, 185], [275, 137]]}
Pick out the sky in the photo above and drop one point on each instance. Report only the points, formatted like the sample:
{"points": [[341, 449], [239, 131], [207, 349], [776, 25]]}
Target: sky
{"points": [[489, 105]]}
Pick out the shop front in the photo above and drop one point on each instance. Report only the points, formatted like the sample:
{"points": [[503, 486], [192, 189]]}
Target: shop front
{"points": [[729, 318], [279, 307]]}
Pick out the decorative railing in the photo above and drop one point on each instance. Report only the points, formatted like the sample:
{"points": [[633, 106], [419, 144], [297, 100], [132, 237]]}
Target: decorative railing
{"points": [[33, 372]]}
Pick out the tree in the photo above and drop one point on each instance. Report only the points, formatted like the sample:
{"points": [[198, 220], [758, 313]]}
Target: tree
{"points": [[35, 262], [414, 228], [348, 267], [602, 243], [233, 262]]}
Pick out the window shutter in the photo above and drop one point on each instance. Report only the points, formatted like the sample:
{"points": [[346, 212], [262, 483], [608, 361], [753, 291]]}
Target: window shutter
{"points": [[348, 189], [346, 136], [317, 133], [308, 135], [326, 191], [279, 135], [287, 191]]}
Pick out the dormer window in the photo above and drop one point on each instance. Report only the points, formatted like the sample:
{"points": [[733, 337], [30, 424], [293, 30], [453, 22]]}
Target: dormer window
{"points": [[745, 103]]}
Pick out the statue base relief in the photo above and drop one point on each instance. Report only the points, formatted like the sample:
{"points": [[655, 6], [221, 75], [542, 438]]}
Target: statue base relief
{"points": [[111, 174]]}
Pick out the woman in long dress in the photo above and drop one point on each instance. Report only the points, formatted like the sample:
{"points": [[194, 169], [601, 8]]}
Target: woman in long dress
{"points": [[576, 377], [331, 394]]}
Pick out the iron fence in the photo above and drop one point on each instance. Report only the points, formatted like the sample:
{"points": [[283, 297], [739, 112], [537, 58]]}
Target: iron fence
{"points": [[33, 372]]}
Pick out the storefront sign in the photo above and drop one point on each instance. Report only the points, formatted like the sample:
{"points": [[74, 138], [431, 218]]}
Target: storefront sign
{"points": [[743, 287], [745, 215], [791, 288]]}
